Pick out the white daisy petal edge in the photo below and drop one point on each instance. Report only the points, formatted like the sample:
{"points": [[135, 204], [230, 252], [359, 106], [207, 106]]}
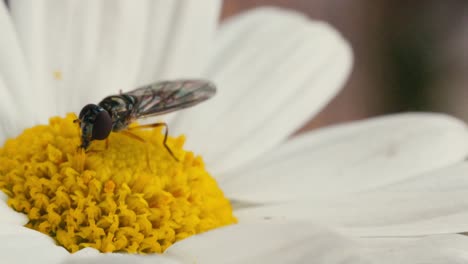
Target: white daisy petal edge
{"points": [[268, 242], [9, 216], [121, 259], [351, 158], [14, 113], [373, 178], [275, 69], [443, 249], [9, 110], [377, 213], [82, 51], [19, 244], [447, 179]]}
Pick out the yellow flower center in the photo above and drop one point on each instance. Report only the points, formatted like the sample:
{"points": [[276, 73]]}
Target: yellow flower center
{"points": [[128, 196]]}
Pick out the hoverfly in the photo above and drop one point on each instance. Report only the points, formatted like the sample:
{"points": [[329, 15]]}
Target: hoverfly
{"points": [[116, 112]]}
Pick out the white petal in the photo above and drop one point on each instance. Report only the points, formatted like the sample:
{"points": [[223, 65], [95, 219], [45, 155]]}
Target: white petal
{"points": [[376, 213], [120, 259], [85, 253], [274, 70], [17, 104], [22, 245], [350, 158], [81, 51], [267, 242], [444, 249], [8, 215], [10, 117], [447, 179]]}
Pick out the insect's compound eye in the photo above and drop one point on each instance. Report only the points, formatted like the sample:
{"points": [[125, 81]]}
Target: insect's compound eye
{"points": [[86, 110], [102, 125]]}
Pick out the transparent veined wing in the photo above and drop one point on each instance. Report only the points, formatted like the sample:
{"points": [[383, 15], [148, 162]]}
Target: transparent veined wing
{"points": [[168, 96]]}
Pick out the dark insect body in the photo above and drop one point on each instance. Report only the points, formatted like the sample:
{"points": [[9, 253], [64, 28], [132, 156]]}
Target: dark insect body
{"points": [[116, 112]]}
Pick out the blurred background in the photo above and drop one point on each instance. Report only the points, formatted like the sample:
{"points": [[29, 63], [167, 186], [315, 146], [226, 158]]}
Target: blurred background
{"points": [[409, 55]]}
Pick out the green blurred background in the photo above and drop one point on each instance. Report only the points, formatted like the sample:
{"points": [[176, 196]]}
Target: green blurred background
{"points": [[409, 55]]}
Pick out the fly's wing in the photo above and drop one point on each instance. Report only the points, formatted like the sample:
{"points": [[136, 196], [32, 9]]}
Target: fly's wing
{"points": [[168, 96]]}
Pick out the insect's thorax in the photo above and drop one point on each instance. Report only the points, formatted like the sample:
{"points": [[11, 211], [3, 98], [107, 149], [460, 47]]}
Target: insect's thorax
{"points": [[121, 109]]}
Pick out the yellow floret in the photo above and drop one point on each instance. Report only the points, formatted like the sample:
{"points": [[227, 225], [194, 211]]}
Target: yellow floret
{"points": [[128, 196]]}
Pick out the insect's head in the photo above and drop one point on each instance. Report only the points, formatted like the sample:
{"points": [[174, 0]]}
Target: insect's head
{"points": [[95, 123]]}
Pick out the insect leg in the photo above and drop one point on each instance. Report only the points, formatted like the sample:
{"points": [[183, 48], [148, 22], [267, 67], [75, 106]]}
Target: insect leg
{"points": [[132, 135], [90, 150], [79, 161], [166, 132]]}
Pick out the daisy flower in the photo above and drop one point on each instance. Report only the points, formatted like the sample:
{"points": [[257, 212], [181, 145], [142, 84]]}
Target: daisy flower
{"points": [[394, 184]]}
